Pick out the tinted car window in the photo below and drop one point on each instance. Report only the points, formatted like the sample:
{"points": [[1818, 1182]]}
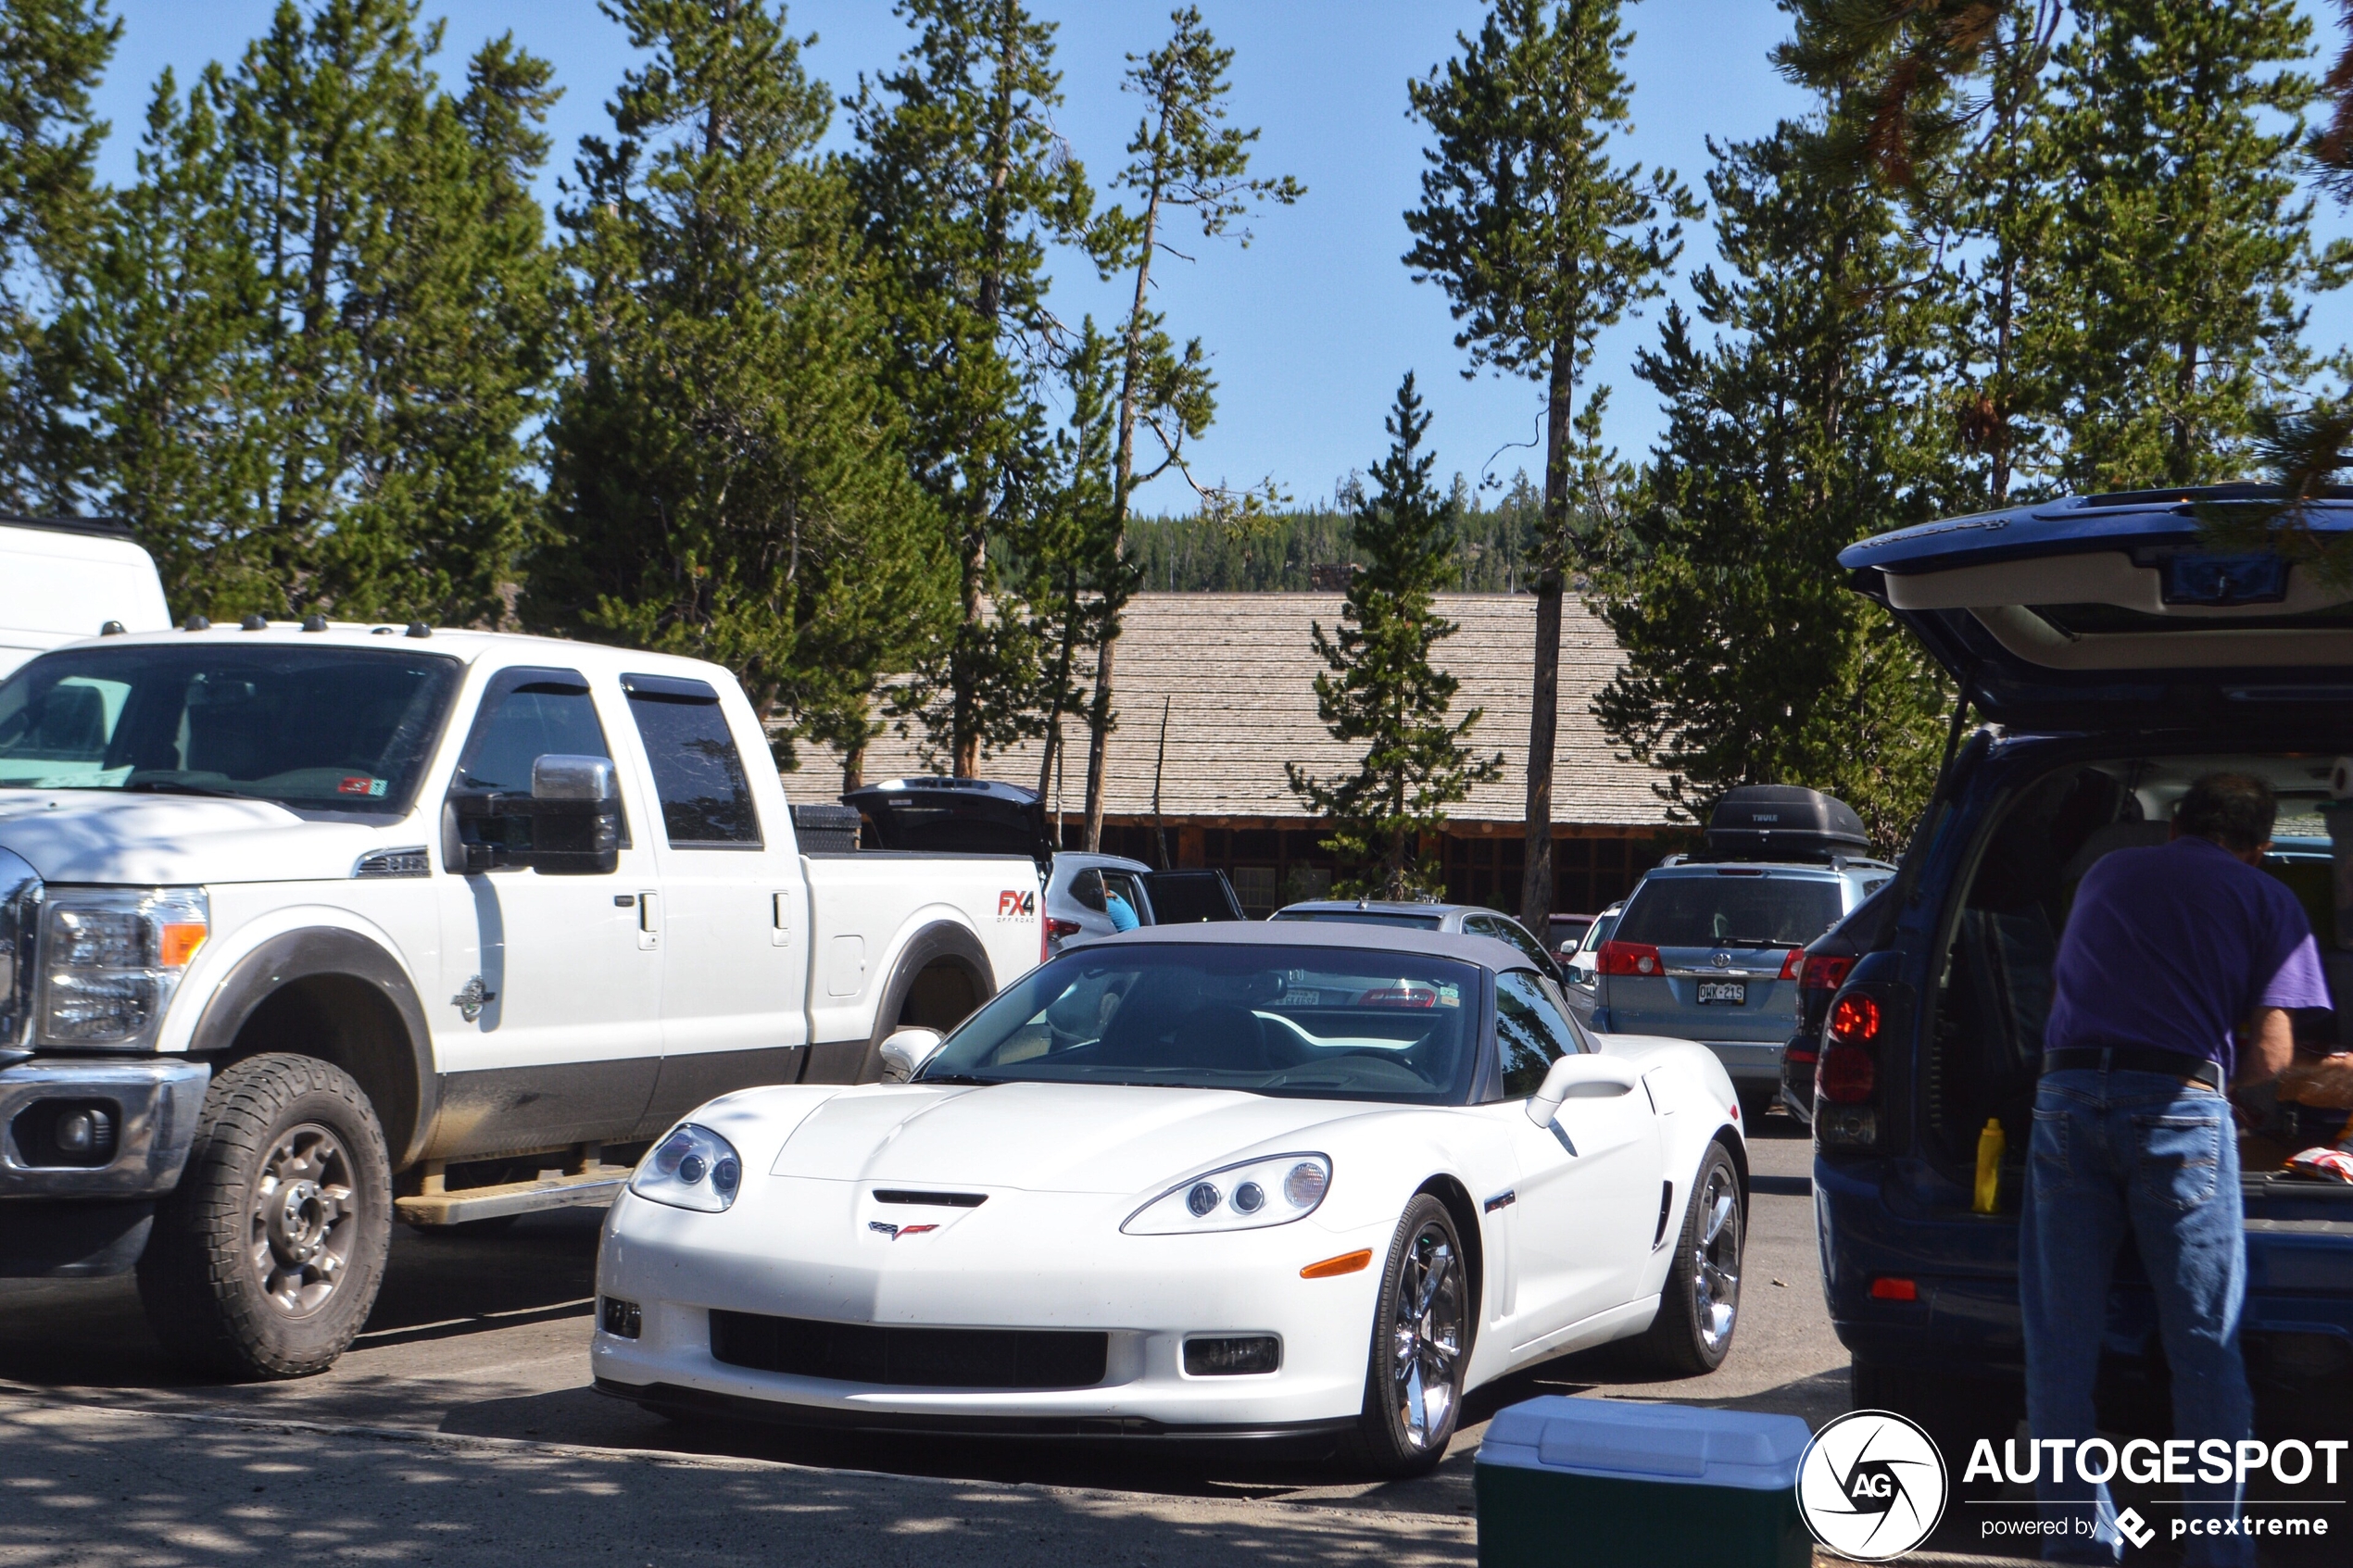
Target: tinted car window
{"points": [[534, 720], [333, 729], [1312, 1023], [1530, 1033], [705, 799], [1730, 912], [1188, 898]]}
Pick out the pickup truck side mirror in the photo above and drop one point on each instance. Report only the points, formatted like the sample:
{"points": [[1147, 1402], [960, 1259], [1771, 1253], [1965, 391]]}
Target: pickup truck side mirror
{"points": [[1581, 1077], [905, 1050], [575, 816]]}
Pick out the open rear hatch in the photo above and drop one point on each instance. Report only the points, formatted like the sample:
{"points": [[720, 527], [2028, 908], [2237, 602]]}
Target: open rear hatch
{"points": [[2118, 601]]}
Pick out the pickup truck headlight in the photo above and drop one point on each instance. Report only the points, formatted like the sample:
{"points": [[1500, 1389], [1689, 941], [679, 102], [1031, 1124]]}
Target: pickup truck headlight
{"points": [[693, 1168], [109, 961], [1272, 1191]]}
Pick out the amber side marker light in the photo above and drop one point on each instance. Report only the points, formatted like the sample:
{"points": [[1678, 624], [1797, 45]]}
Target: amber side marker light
{"points": [[1346, 1263], [180, 943]]}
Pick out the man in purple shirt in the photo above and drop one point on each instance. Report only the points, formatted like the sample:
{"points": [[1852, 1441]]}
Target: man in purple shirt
{"points": [[2174, 980]]}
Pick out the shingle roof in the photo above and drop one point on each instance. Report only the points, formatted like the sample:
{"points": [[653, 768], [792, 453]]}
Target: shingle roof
{"points": [[1236, 673]]}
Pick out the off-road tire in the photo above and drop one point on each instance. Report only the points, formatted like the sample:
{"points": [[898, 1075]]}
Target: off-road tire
{"points": [[203, 1278], [1678, 1342], [1382, 1442]]}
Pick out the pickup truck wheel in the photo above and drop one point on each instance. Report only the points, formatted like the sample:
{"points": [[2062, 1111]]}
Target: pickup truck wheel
{"points": [[1699, 1306], [265, 1260]]}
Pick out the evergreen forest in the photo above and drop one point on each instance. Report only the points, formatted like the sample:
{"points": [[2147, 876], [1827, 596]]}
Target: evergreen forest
{"points": [[777, 378]]}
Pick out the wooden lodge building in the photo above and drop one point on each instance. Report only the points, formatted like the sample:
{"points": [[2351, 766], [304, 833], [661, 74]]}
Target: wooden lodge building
{"points": [[1216, 691]]}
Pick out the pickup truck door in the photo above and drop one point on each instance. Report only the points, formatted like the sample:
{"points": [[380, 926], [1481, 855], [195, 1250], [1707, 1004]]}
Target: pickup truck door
{"points": [[734, 903], [1585, 1201], [547, 1017]]}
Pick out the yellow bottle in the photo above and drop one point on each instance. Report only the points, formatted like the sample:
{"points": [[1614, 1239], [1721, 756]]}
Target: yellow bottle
{"points": [[1991, 1144]]}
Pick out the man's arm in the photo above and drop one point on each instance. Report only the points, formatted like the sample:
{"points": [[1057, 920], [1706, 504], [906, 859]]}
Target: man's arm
{"points": [[2267, 1044]]}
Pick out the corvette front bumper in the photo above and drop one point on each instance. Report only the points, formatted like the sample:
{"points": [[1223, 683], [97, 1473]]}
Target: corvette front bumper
{"points": [[799, 1248]]}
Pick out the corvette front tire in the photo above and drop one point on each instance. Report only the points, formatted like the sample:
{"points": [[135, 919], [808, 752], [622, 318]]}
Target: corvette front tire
{"points": [[1421, 1341]]}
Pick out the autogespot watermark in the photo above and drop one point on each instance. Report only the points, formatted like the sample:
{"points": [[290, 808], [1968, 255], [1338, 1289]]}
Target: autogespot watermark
{"points": [[2148, 1463], [1871, 1486]]}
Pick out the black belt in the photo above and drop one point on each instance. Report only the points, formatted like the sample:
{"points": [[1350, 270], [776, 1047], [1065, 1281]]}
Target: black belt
{"points": [[2135, 1059]]}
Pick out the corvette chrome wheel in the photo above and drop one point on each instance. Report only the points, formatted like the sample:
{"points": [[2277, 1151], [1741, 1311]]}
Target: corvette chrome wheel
{"points": [[1716, 1261], [1421, 1343], [1425, 1366], [1699, 1303]]}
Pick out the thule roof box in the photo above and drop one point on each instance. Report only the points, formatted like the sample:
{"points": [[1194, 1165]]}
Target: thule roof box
{"points": [[1782, 822]]}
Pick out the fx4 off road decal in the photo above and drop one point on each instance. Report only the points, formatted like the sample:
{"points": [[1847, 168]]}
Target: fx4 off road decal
{"points": [[1014, 904]]}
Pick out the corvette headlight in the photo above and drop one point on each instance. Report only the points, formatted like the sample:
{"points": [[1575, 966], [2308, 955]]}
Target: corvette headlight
{"points": [[110, 961], [1270, 1191], [693, 1168]]}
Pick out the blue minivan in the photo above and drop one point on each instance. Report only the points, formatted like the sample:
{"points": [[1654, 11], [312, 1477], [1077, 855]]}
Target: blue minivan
{"points": [[2113, 656]]}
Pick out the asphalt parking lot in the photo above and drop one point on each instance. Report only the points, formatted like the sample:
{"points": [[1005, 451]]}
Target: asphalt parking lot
{"points": [[460, 1428]]}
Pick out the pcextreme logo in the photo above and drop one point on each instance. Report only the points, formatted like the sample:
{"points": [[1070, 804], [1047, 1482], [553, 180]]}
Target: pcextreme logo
{"points": [[1015, 904], [1871, 1486]]}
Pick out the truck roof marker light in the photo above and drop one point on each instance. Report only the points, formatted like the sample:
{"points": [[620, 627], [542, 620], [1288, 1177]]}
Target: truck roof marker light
{"points": [[255, 623], [196, 624], [419, 629]]}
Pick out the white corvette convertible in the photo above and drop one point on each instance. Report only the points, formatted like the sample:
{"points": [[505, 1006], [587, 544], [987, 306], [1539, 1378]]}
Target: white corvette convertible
{"points": [[1236, 1181]]}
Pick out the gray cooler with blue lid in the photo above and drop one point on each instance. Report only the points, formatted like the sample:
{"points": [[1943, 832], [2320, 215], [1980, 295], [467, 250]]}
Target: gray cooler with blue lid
{"points": [[1610, 1484]]}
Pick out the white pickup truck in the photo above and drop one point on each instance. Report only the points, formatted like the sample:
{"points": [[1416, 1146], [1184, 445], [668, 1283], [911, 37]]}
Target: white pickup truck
{"points": [[305, 929]]}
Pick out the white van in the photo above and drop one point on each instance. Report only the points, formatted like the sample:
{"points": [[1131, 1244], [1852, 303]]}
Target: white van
{"points": [[62, 579]]}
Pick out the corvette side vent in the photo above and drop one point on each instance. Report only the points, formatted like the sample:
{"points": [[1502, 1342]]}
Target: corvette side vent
{"points": [[1665, 1208]]}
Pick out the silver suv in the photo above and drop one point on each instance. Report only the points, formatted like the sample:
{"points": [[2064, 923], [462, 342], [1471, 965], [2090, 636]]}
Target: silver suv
{"points": [[1711, 947]]}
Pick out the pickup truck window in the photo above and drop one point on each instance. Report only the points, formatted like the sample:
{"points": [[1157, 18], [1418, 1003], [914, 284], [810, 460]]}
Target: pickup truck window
{"points": [[332, 729], [706, 799], [526, 713]]}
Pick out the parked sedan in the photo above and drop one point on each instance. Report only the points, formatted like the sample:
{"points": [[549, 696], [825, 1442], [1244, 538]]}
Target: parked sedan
{"points": [[1470, 920], [1250, 1180]]}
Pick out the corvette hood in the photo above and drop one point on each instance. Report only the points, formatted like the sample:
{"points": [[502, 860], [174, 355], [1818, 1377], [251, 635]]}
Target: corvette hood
{"points": [[112, 836], [1044, 1137]]}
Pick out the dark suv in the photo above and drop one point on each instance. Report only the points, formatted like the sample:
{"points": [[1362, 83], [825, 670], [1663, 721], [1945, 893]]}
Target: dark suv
{"points": [[2115, 658]]}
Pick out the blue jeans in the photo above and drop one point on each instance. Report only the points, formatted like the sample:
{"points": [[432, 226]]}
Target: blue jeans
{"points": [[2148, 1152]]}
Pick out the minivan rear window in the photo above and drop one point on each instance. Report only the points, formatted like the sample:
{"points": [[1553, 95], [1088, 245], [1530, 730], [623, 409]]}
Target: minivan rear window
{"points": [[1726, 911]]}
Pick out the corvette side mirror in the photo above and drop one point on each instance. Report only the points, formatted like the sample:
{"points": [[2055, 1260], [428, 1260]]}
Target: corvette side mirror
{"points": [[1581, 1078], [905, 1050]]}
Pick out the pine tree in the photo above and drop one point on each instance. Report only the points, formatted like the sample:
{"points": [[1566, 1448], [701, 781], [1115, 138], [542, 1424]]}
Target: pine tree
{"points": [[1947, 103], [1805, 425], [729, 479], [1185, 165], [961, 183], [2188, 254], [319, 326], [52, 55], [1379, 688], [1542, 242]]}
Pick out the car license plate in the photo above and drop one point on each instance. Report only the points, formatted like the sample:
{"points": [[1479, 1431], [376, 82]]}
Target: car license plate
{"points": [[1732, 993]]}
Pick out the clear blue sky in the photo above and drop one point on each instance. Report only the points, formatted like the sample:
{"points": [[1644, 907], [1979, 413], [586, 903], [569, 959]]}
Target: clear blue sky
{"points": [[1311, 326]]}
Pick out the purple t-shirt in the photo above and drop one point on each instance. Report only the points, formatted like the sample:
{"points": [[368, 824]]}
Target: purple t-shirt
{"points": [[2171, 946]]}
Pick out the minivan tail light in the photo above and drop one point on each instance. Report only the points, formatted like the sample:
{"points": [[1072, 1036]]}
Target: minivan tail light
{"points": [[1794, 965], [1631, 958], [1825, 971], [1855, 1019]]}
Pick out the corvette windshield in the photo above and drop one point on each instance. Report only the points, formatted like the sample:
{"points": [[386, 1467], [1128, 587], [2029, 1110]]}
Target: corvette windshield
{"points": [[1320, 1022], [331, 729]]}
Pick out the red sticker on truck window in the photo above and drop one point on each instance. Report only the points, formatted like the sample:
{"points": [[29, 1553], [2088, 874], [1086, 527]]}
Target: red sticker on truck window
{"points": [[355, 786]]}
